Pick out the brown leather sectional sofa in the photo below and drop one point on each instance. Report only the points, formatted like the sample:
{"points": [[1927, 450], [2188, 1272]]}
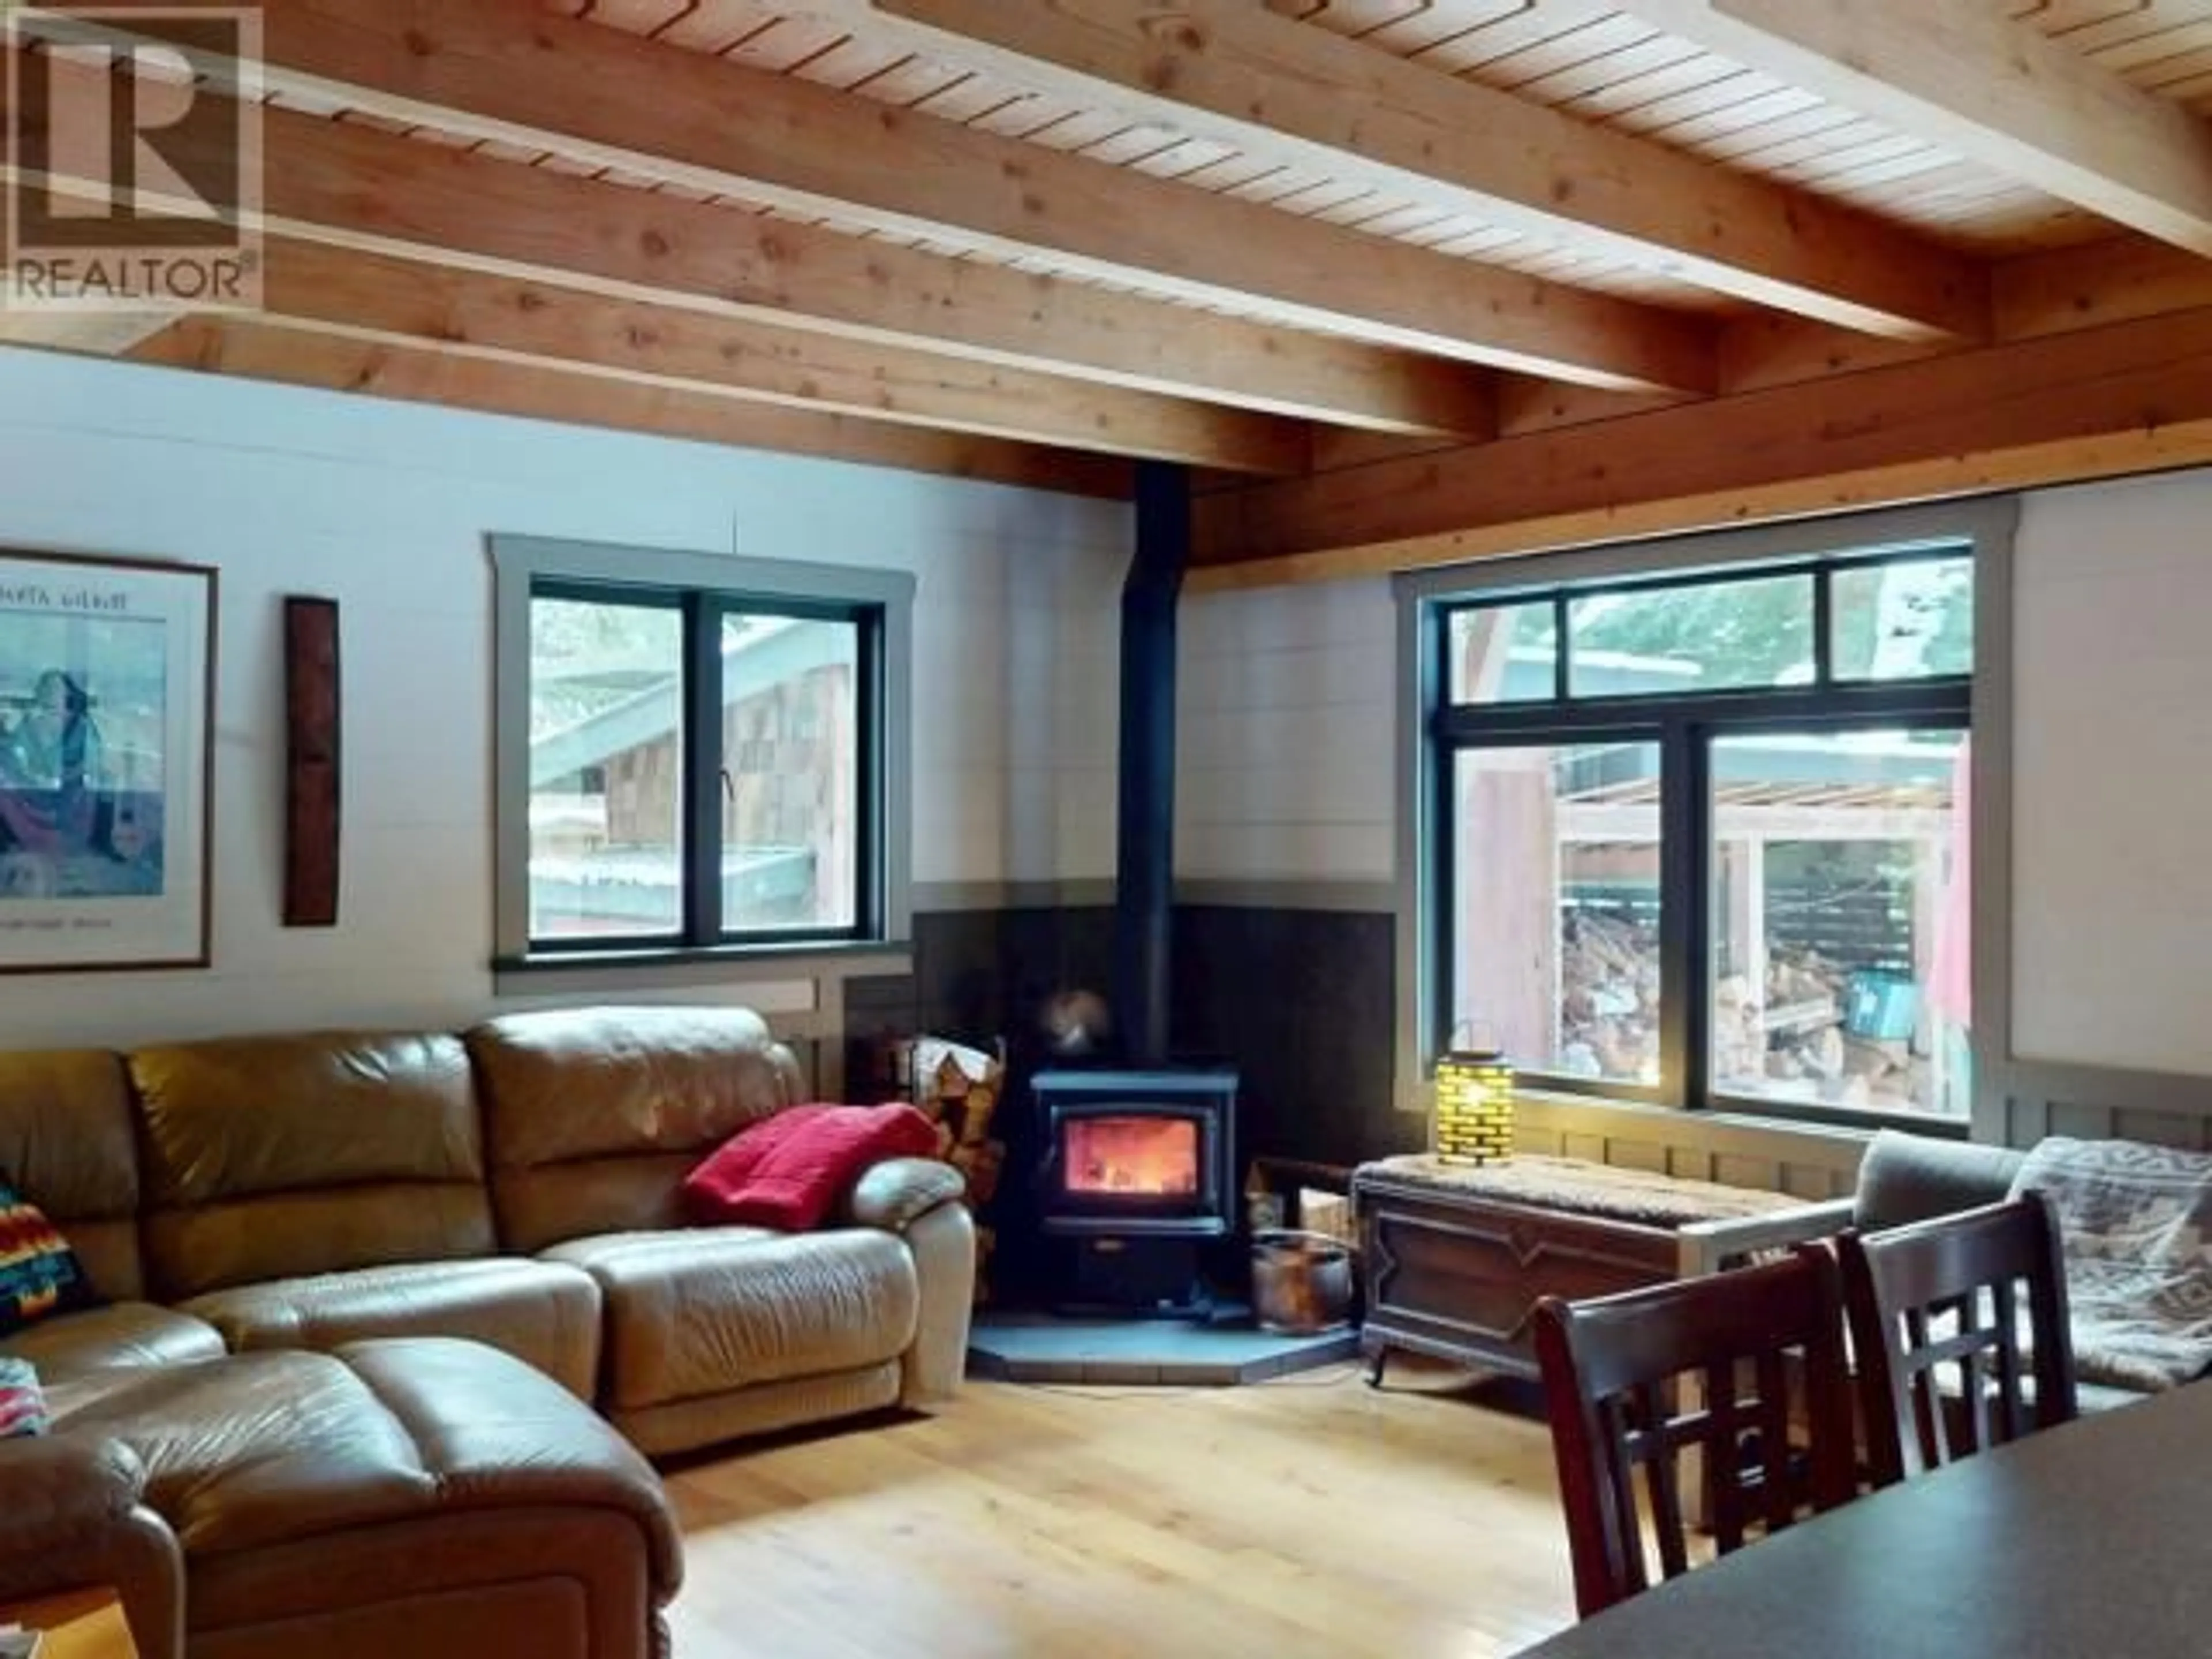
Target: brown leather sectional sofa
{"points": [[359, 1285]]}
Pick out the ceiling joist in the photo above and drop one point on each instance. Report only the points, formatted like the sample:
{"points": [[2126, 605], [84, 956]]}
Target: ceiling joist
{"points": [[353, 185], [408, 303], [508, 71], [973, 237], [1230, 71], [1963, 74], [263, 351], [2131, 397]]}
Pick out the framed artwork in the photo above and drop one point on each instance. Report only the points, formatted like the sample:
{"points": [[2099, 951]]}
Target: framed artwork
{"points": [[106, 688]]}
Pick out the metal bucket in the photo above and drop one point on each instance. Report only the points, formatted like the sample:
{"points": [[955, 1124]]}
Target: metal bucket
{"points": [[1301, 1282]]}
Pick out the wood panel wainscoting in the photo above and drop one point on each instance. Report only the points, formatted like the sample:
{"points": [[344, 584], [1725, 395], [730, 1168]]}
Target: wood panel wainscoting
{"points": [[1307, 1518], [1806, 1160]]}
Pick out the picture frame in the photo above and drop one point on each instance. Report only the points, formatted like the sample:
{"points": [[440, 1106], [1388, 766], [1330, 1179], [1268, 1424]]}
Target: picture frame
{"points": [[106, 761]]}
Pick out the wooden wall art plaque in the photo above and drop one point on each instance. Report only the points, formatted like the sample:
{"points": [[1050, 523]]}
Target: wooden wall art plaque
{"points": [[311, 763]]}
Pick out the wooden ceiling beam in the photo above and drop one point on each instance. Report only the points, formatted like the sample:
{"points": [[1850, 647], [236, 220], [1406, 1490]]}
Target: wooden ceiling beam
{"points": [[1233, 72], [406, 301], [2050, 291], [510, 71], [2060, 290], [351, 184], [2132, 397], [1963, 74], [272, 351]]}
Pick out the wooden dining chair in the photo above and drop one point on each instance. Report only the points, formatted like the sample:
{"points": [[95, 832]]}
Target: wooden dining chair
{"points": [[1947, 1363], [1743, 1369]]}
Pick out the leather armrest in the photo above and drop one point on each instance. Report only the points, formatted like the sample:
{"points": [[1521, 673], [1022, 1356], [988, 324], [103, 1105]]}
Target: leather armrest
{"points": [[72, 1517], [64, 1492], [896, 1194], [1906, 1177]]}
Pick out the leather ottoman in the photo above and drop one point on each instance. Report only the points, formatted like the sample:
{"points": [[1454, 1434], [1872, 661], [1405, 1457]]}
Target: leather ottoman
{"points": [[543, 1314], [431, 1498]]}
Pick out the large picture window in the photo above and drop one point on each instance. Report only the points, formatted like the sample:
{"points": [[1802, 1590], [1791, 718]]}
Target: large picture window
{"points": [[697, 753], [1704, 840]]}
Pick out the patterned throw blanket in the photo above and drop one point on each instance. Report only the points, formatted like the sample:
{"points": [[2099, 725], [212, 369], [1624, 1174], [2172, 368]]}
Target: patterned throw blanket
{"points": [[2137, 1222], [23, 1407]]}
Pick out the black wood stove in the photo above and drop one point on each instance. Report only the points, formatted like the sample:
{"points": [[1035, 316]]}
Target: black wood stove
{"points": [[1137, 1178], [1136, 1165]]}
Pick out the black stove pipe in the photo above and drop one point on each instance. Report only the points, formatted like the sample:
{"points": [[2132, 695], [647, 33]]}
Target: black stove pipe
{"points": [[1145, 920]]}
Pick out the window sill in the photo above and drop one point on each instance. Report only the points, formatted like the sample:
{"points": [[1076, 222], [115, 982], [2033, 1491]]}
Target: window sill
{"points": [[1736, 1112], [692, 965], [1747, 1123]]}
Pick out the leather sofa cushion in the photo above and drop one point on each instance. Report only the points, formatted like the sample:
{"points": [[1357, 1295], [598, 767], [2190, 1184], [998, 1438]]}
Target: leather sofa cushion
{"points": [[686, 1425], [110, 1253], [251, 1115], [291, 1235], [694, 1314], [123, 1336], [498, 1436], [68, 1144], [592, 1116], [255, 1448], [588, 1083], [261, 1450], [597, 1196], [267, 1157], [543, 1313]]}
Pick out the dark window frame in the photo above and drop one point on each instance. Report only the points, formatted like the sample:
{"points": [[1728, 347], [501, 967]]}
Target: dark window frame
{"points": [[705, 763], [1685, 726], [525, 567]]}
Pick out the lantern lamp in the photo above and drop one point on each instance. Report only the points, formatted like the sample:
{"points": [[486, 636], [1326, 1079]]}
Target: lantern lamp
{"points": [[1474, 1107]]}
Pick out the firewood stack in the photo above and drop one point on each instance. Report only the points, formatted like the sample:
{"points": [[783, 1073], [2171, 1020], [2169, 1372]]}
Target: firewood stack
{"points": [[958, 1089], [1794, 1034], [1800, 1038], [1609, 1005]]}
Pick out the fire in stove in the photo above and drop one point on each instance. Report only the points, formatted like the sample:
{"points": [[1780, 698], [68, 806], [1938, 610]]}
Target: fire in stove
{"points": [[1134, 1180], [1136, 1156]]}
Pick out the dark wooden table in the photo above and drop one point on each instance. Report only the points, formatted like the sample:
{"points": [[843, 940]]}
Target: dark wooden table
{"points": [[2089, 1541]]}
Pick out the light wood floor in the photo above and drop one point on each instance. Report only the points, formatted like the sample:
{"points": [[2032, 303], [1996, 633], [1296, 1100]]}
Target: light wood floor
{"points": [[1310, 1518]]}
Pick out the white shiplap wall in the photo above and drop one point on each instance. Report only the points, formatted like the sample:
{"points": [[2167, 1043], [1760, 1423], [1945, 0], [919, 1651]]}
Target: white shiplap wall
{"points": [[386, 506], [2113, 777], [1285, 765], [1287, 736], [1286, 752]]}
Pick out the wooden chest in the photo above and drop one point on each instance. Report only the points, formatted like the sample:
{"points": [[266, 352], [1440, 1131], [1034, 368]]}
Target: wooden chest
{"points": [[1456, 1270]]}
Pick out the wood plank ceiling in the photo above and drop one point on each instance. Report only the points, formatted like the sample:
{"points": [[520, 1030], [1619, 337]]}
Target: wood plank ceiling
{"points": [[1410, 279]]}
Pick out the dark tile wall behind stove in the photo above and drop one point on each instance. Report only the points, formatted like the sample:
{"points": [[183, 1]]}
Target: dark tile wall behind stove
{"points": [[1300, 1001]]}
